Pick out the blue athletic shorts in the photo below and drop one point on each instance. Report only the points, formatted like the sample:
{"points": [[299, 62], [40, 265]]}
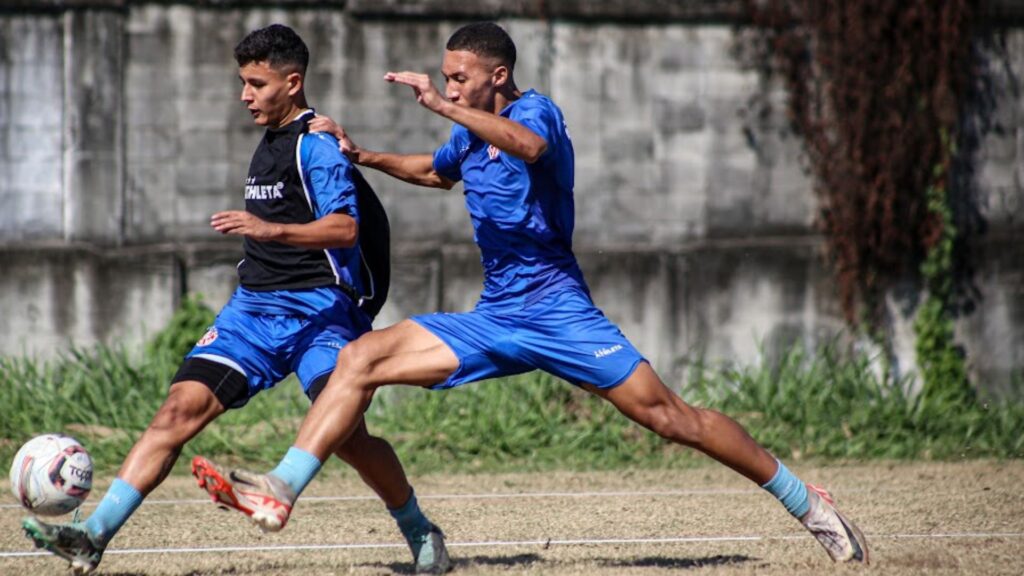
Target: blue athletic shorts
{"points": [[265, 348], [562, 333]]}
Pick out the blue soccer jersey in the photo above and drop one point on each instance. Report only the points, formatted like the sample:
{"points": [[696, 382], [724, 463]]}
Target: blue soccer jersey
{"points": [[522, 213], [535, 311]]}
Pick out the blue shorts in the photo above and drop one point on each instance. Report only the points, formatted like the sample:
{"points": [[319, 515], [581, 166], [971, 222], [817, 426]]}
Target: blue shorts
{"points": [[265, 348], [562, 333]]}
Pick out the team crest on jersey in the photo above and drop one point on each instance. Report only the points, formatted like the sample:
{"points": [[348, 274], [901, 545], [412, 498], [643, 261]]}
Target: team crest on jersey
{"points": [[492, 151], [208, 338]]}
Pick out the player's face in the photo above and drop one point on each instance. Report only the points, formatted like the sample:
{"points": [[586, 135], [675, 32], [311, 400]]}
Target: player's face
{"points": [[267, 93], [472, 81]]}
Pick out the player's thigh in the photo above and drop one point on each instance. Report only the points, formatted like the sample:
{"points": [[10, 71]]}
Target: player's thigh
{"points": [[405, 353], [190, 405]]}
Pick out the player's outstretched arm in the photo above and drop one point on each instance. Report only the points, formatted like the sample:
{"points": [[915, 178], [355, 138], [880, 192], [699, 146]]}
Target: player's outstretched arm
{"points": [[504, 134], [331, 231], [413, 168]]}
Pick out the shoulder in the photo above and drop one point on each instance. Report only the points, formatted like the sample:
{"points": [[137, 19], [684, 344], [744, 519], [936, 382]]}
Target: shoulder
{"points": [[459, 132], [531, 102], [321, 148]]}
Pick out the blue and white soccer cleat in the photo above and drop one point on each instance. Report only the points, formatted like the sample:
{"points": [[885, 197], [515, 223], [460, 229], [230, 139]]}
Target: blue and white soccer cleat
{"points": [[841, 538], [429, 552], [69, 541]]}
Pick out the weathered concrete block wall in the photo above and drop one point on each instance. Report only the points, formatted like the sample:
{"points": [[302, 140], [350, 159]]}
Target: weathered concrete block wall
{"points": [[121, 132]]}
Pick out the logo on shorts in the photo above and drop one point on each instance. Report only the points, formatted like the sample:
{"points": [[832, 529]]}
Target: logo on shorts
{"points": [[208, 338], [492, 151], [607, 351]]}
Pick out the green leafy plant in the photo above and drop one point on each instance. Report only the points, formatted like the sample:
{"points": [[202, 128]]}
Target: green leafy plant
{"points": [[940, 360], [186, 326]]}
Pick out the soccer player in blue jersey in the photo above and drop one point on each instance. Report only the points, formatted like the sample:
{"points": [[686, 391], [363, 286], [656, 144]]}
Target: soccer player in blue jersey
{"points": [[513, 154], [297, 304]]}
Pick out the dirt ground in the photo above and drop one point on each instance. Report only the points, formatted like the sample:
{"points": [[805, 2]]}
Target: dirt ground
{"points": [[927, 518]]}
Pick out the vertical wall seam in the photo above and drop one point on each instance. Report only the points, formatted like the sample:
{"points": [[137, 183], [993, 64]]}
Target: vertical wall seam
{"points": [[67, 138]]}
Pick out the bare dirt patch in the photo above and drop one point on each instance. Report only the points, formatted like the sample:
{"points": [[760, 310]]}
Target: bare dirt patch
{"points": [[928, 518]]}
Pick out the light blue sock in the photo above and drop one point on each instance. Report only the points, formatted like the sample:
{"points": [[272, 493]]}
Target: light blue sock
{"points": [[410, 518], [113, 511], [789, 490], [297, 469]]}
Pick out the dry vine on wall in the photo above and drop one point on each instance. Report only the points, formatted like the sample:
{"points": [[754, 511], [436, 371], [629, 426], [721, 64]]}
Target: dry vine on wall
{"points": [[875, 89]]}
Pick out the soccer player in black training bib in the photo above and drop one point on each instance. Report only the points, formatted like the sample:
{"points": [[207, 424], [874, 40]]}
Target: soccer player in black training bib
{"points": [[302, 284]]}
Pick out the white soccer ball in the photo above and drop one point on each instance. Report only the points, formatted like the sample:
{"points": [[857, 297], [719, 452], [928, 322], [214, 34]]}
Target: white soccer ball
{"points": [[51, 475]]}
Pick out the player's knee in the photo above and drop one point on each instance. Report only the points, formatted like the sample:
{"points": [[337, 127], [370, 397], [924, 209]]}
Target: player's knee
{"points": [[671, 423], [180, 414], [355, 362]]}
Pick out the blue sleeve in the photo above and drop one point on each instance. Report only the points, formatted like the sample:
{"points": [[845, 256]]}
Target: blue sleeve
{"points": [[539, 115], [448, 158], [327, 174]]}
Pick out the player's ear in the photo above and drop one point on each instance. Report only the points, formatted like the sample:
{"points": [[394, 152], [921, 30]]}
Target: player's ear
{"points": [[295, 82], [500, 76]]}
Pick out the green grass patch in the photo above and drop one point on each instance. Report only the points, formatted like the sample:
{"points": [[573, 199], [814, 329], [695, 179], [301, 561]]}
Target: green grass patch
{"points": [[804, 405], [829, 405]]}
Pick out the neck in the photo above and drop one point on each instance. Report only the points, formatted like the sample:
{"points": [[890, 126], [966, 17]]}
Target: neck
{"points": [[298, 107], [507, 95]]}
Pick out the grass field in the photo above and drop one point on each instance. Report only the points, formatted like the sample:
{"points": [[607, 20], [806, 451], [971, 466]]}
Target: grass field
{"points": [[930, 518]]}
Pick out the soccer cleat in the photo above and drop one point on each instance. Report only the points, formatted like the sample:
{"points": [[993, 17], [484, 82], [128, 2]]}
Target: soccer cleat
{"points": [[428, 551], [264, 498], [843, 541], [69, 541]]}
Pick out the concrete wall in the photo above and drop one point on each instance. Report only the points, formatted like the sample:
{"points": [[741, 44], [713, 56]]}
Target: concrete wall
{"points": [[121, 132]]}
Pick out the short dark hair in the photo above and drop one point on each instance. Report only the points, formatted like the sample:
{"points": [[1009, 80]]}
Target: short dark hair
{"points": [[485, 39], [277, 45]]}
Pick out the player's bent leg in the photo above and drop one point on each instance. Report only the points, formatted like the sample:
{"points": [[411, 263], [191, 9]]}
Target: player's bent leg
{"points": [[190, 406], [405, 353], [381, 470], [377, 464]]}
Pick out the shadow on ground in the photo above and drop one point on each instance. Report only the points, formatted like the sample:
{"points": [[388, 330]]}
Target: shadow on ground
{"points": [[464, 562], [676, 563]]}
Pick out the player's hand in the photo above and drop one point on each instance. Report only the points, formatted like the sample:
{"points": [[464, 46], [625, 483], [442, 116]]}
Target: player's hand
{"points": [[321, 123], [426, 93], [242, 223], [345, 144]]}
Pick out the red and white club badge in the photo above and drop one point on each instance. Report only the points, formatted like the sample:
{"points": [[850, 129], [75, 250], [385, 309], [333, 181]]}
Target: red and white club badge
{"points": [[492, 151], [208, 338]]}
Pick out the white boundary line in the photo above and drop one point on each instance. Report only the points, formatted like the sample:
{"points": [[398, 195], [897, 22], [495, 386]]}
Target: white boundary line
{"points": [[519, 543], [485, 496]]}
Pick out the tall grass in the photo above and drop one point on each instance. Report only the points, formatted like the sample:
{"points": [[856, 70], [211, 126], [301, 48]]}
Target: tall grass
{"points": [[105, 397], [828, 405], [806, 405]]}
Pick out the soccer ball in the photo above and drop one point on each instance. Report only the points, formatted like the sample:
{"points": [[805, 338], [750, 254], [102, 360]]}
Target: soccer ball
{"points": [[51, 475]]}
